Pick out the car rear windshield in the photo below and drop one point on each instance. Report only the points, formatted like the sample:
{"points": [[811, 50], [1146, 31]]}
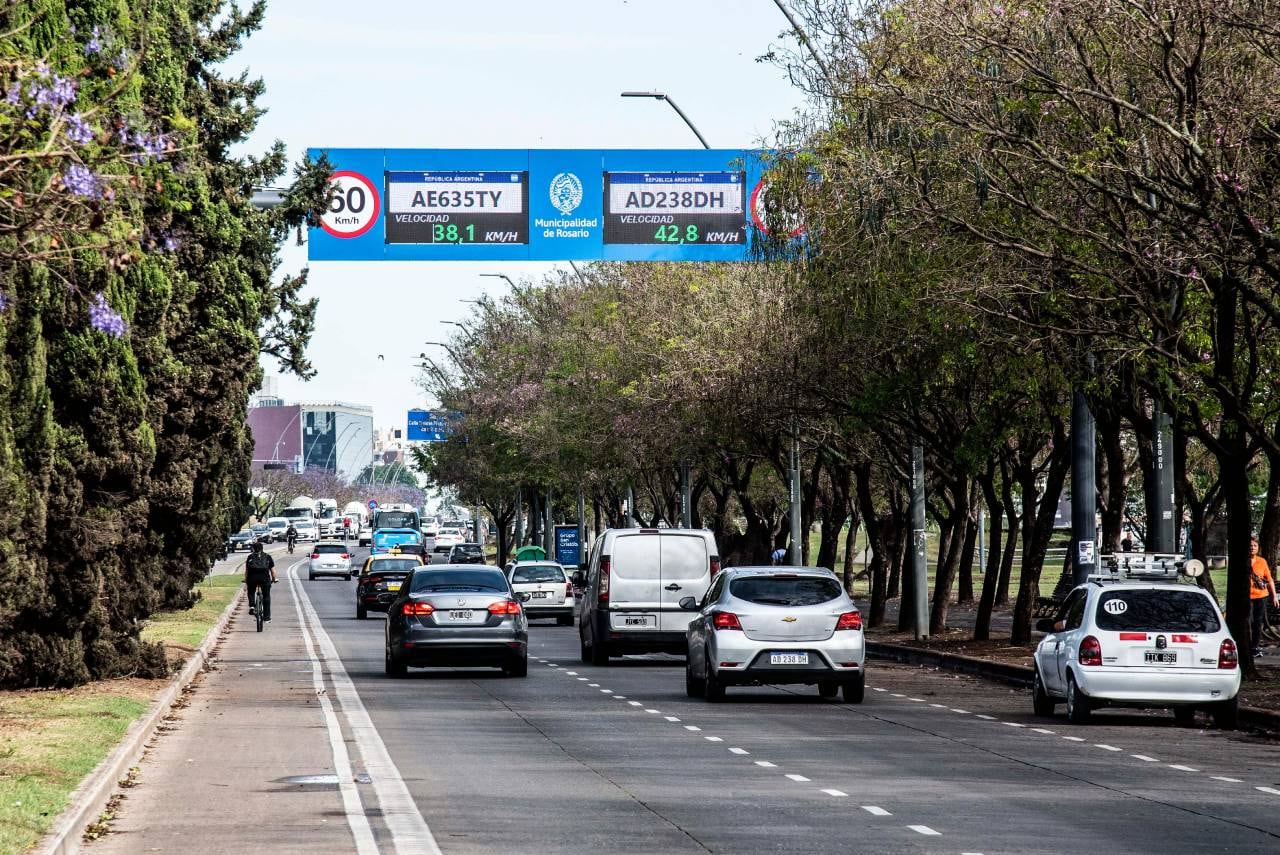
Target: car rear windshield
{"points": [[466, 549], [330, 548], [1157, 611], [537, 573], [489, 581], [798, 591], [443, 550], [393, 565]]}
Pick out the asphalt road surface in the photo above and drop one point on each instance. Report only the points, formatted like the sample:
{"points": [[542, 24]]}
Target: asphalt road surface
{"points": [[297, 742]]}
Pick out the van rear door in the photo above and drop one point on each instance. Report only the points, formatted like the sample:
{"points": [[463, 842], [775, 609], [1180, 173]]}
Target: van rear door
{"points": [[635, 574], [686, 572]]}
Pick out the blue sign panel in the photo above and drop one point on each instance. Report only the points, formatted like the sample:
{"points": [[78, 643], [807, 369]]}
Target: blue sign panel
{"points": [[427, 426], [542, 205], [568, 549]]}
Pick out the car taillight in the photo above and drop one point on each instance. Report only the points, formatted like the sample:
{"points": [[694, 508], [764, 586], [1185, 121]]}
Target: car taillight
{"points": [[315, 555], [418, 609], [346, 556], [850, 620], [715, 565], [568, 589], [1227, 656], [725, 620], [604, 580], [505, 607], [1090, 651]]}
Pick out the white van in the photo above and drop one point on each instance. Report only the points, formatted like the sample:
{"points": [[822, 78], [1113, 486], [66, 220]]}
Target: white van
{"points": [[635, 580]]}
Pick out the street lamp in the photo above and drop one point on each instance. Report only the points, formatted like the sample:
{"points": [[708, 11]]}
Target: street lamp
{"points": [[663, 96], [498, 276]]}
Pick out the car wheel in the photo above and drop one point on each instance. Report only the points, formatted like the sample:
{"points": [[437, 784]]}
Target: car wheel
{"points": [[828, 688], [712, 688], [1041, 703], [361, 613], [1226, 714], [1184, 716], [311, 577], [694, 687], [1078, 708], [519, 668], [599, 653], [584, 652], [564, 621], [394, 667], [855, 690]]}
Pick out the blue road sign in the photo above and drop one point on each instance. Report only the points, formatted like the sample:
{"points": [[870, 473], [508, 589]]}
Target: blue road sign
{"points": [[428, 426], [568, 549], [542, 205], [373, 504]]}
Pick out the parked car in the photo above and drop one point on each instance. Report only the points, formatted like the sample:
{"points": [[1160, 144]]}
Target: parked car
{"points": [[633, 587], [459, 615], [278, 526], [262, 533], [306, 530], [774, 625], [467, 553], [1138, 637], [241, 540], [330, 558], [550, 592], [380, 580]]}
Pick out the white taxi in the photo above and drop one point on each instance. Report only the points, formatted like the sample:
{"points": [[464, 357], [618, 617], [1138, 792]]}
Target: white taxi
{"points": [[1137, 636]]}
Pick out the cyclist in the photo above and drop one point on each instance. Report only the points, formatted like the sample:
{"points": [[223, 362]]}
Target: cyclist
{"points": [[291, 537], [260, 572]]}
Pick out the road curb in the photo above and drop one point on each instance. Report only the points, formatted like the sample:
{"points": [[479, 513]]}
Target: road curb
{"points": [[89, 799], [1013, 675]]}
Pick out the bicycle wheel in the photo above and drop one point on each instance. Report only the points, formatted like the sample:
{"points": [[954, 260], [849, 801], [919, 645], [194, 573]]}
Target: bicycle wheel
{"points": [[257, 606]]}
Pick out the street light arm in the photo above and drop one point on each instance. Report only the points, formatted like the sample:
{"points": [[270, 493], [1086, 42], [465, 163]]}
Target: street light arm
{"points": [[662, 96]]}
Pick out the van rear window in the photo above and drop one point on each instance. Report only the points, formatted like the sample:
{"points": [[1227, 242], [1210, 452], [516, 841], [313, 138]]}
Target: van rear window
{"points": [[768, 591], [1156, 610]]}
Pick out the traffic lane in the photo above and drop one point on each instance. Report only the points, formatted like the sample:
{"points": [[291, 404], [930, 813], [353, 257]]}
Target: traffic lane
{"points": [[964, 758], [499, 764]]}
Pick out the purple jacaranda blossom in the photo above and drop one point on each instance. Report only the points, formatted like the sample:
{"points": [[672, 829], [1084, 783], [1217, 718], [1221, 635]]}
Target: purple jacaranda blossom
{"points": [[93, 47], [105, 319], [171, 244], [78, 130], [80, 180], [122, 60], [14, 95], [150, 146], [53, 92]]}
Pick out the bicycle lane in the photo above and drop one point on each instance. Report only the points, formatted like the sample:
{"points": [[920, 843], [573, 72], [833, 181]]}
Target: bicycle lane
{"points": [[249, 765]]}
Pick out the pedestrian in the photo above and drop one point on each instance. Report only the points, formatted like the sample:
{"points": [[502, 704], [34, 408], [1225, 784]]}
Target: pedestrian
{"points": [[1126, 545], [779, 555], [1262, 587]]}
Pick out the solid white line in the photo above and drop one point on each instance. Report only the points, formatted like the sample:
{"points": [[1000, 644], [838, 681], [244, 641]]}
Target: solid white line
{"points": [[799, 779], [1105, 747], [352, 807], [1182, 768], [739, 751], [837, 793], [876, 811], [1144, 758], [1226, 779], [409, 831], [987, 717], [962, 712], [1269, 790], [766, 764], [924, 829]]}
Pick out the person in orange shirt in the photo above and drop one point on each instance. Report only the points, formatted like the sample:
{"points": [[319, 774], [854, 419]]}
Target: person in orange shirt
{"points": [[1261, 588]]}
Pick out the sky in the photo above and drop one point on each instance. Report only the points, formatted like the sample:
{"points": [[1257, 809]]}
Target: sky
{"points": [[486, 74]]}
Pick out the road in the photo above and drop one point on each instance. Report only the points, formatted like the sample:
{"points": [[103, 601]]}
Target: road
{"points": [[576, 758]]}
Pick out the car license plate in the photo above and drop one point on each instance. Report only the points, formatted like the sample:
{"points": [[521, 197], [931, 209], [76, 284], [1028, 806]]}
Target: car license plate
{"points": [[638, 620], [463, 614], [393, 586], [540, 595], [1163, 657], [788, 658]]}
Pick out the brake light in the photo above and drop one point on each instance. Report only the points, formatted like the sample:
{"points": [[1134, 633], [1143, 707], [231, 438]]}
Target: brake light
{"points": [[568, 589], [725, 620], [850, 620], [416, 609], [315, 555], [1183, 639], [715, 565], [1227, 656], [346, 556], [604, 580], [1090, 651], [505, 607]]}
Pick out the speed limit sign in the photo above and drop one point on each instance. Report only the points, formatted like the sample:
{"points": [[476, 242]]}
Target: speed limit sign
{"points": [[354, 207]]}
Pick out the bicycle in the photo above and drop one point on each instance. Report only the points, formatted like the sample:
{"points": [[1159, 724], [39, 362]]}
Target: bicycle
{"points": [[291, 544], [257, 606]]}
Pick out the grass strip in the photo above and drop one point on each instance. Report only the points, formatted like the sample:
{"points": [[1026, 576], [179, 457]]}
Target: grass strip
{"points": [[51, 739]]}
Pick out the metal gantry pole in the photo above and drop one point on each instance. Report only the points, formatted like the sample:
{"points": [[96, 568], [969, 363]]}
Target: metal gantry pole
{"points": [[582, 524], [548, 529], [1084, 498], [919, 558], [686, 499], [1160, 522]]}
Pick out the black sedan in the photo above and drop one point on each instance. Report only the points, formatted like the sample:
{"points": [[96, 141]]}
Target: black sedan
{"points": [[457, 615], [467, 553], [241, 540], [380, 581]]}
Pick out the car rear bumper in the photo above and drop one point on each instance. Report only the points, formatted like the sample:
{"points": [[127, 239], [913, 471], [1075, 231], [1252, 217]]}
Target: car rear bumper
{"points": [[1156, 686], [494, 646], [330, 571], [534, 612]]}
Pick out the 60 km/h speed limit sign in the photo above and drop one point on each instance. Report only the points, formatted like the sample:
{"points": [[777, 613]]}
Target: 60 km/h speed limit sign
{"points": [[354, 208]]}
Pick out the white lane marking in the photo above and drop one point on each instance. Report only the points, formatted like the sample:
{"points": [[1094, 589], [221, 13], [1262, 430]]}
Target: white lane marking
{"points": [[837, 793], [917, 700], [582, 679], [987, 717], [1182, 768], [1225, 779], [352, 807], [572, 673], [925, 830], [1144, 758], [799, 779], [610, 692], [1106, 747], [1269, 790], [670, 718], [939, 706], [634, 704], [655, 712], [692, 727], [765, 764], [739, 751], [1013, 724], [897, 695], [552, 665], [593, 685], [409, 831], [1074, 738], [878, 689], [962, 712], [876, 811], [713, 739], [1043, 730]]}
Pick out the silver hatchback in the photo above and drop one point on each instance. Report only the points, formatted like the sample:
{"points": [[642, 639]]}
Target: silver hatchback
{"points": [[330, 558], [762, 625]]}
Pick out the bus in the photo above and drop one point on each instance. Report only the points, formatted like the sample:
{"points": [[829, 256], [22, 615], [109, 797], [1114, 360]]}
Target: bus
{"points": [[396, 526]]}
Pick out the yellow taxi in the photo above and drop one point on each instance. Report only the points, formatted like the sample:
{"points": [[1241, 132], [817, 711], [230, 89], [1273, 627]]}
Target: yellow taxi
{"points": [[381, 578]]}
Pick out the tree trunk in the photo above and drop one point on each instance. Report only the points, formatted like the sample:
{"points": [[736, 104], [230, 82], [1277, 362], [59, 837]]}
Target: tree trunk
{"points": [[1113, 483], [1013, 523], [1037, 528], [875, 542], [949, 559], [967, 550], [991, 573], [1233, 459]]}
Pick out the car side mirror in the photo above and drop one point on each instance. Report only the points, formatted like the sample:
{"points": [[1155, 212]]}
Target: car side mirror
{"points": [[578, 579], [689, 604], [1044, 625], [523, 596]]}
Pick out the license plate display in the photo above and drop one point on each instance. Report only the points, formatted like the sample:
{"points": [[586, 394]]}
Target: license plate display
{"points": [[1162, 657], [460, 614], [788, 658], [540, 595], [393, 586]]}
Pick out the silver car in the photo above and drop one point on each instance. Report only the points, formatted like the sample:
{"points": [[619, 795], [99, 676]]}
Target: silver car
{"points": [[330, 558], [761, 625]]}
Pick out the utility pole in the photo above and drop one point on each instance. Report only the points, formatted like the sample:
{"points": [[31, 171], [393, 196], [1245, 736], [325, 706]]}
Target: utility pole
{"points": [[686, 510], [582, 525], [1160, 523], [1084, 498], [797, 548], [631, 506], [549, 530], [919, 589], [519, 518]]}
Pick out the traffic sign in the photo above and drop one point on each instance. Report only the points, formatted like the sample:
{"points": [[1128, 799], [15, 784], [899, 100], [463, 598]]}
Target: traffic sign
{"points": [[428, 426], [543, 205], [373, 504]]}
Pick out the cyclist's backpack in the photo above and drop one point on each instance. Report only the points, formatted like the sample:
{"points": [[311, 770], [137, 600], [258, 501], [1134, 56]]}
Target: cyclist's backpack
{"points": [[258, 561]]}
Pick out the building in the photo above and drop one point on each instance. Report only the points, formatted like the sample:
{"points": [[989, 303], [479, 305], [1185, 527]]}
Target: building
{"points": [[332, 435]]}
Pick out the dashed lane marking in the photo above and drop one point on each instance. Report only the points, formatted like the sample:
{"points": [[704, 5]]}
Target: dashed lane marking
{"points": [[1013, 724], [799, 779], [593, 685], [739, 751], [634, 704], [1043, 730], [765, 764], [1182, 768], [1269, 790], [840, 794], [1225, 779], [1106, 747], [654, 712], [962, 712], [987, 717], [878, 689], [1074, 738], [916, 700], [713, 739], [876, 811], [1144, 758], [670, 718], [607, 691], [692, 727], [925, 830], [939, 706]]}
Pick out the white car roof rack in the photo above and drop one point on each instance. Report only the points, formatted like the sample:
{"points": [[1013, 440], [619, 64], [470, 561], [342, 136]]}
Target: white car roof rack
{"points": [[1148, 566]]}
